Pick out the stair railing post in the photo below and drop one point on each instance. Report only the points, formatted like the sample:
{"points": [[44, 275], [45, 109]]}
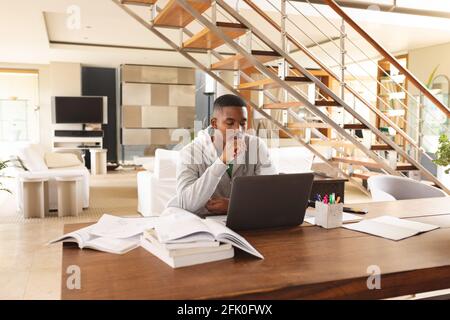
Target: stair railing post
{"points": [[213, 12], [343, 52], [283, 68], [153, 13]]}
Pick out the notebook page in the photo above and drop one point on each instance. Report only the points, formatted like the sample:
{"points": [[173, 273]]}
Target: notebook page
{"points": [[413, 225], [80, 236], [121, 228], [179, 226], [225, 234], [111, 245], [381, 229]]}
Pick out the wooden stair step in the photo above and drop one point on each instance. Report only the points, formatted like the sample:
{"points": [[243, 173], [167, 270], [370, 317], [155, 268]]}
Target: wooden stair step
{"points": [[283, 105], [239, 62], [206, 39], [326, 103], [355, 126], [139, 2], [403, 166], [332, 143], [303, 125], [369, 163], [365, 175], [381, 147], [174, 15], [269, 83]]}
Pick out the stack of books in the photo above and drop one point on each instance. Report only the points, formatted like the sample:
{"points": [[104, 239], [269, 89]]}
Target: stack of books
{"points": [[180, 239], [183, 254]]}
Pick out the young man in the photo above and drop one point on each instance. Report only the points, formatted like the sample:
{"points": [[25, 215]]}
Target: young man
{"points": [[218, 154]]}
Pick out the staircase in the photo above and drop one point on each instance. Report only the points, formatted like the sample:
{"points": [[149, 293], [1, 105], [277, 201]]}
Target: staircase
{"points": [[280, 65]]}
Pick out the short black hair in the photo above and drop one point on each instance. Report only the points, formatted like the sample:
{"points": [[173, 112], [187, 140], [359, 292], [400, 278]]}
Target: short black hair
{"points": [[228, 100]]}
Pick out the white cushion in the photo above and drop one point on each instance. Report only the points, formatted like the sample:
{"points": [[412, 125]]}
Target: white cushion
{"points": [[32, 158], [154, 194], [61, 160], [165, 164]]}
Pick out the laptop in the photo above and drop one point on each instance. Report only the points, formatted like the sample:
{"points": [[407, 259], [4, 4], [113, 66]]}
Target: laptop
{"points": [[269, 201]]}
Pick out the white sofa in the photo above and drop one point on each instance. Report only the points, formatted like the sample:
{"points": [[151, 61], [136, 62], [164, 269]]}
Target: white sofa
{"points": [[32, 156], [156, 188]]}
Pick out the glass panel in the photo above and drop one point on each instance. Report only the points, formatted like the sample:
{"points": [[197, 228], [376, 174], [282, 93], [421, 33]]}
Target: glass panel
{"points": [[14, 120]]}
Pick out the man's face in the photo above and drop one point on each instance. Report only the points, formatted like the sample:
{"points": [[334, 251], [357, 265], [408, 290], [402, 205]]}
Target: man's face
{"points": [[230, 118]]}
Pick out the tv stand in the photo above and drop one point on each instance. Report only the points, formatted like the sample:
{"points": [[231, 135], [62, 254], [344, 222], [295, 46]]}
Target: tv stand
{"points": [[77, 140]]}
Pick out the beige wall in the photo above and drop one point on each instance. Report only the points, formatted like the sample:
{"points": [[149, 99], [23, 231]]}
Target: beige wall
{"points": [[423, 61], [54, 79]]}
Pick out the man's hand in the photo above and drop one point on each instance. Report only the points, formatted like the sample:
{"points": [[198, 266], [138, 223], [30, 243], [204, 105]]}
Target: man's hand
{"points": [[233, 148], [218, 205]]}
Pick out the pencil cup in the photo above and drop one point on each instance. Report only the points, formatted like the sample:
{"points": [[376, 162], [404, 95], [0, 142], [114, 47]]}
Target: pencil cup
{"points": [[329, 215]]}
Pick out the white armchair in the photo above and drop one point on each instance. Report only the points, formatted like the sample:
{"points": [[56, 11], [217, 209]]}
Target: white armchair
{"points": [[33, 157], [389, 188], [156, 188]]}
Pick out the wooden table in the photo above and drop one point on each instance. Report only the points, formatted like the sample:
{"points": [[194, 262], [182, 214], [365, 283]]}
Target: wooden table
{"points": [[301, 262]]}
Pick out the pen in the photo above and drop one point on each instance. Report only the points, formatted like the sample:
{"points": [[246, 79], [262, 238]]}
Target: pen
{"points": [[355, 211], [338, 199]]}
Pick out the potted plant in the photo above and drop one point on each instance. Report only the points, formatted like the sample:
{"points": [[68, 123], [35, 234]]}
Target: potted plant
{"points": [[16, 162], [443, 160]]}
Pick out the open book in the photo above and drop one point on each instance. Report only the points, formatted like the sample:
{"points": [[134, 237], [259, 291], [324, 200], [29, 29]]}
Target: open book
{"points": [[180, 226], [391, 227], [85, 239]]}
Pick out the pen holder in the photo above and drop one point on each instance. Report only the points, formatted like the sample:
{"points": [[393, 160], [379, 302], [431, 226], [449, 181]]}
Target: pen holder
{"points": [[329, 215]]}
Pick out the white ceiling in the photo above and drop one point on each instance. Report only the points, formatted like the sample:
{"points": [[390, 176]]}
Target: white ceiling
{"points": [[26, 26]]}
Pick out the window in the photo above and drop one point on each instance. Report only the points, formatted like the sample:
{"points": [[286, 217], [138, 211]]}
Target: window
{"points": [[19, 98]]}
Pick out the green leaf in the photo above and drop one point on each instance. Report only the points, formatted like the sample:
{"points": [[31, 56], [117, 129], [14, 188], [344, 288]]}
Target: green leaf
{"points": [[7, 190], [443, 152], [431, 77]]}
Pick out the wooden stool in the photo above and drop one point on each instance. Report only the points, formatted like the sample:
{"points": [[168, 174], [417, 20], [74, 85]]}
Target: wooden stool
{"points": [[98, 161], [34, 196], [69, 196]]}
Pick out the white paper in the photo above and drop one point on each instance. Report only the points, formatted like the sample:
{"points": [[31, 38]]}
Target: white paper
{"points": [[181, 226], [346, 218], [221, 218], [121, 228], [112, 245], [404, 223], [390, 227]]}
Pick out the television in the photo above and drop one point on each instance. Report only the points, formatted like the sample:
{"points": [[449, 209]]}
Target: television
{"points": [[83, 109]]}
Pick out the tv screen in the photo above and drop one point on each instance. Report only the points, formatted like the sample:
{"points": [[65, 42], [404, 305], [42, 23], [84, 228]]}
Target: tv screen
{"points": [[78, 110]]}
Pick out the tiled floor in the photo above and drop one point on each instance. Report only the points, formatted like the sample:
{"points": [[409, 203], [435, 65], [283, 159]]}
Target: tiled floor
{"points": [[31, 270]]}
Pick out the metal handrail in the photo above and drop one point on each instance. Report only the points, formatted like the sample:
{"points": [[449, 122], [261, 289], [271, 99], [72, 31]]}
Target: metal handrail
{"points": [[198, 64], [424, 90], [362, 51], [279, 81], [311, 77], [356, 62], [332, 74]]}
